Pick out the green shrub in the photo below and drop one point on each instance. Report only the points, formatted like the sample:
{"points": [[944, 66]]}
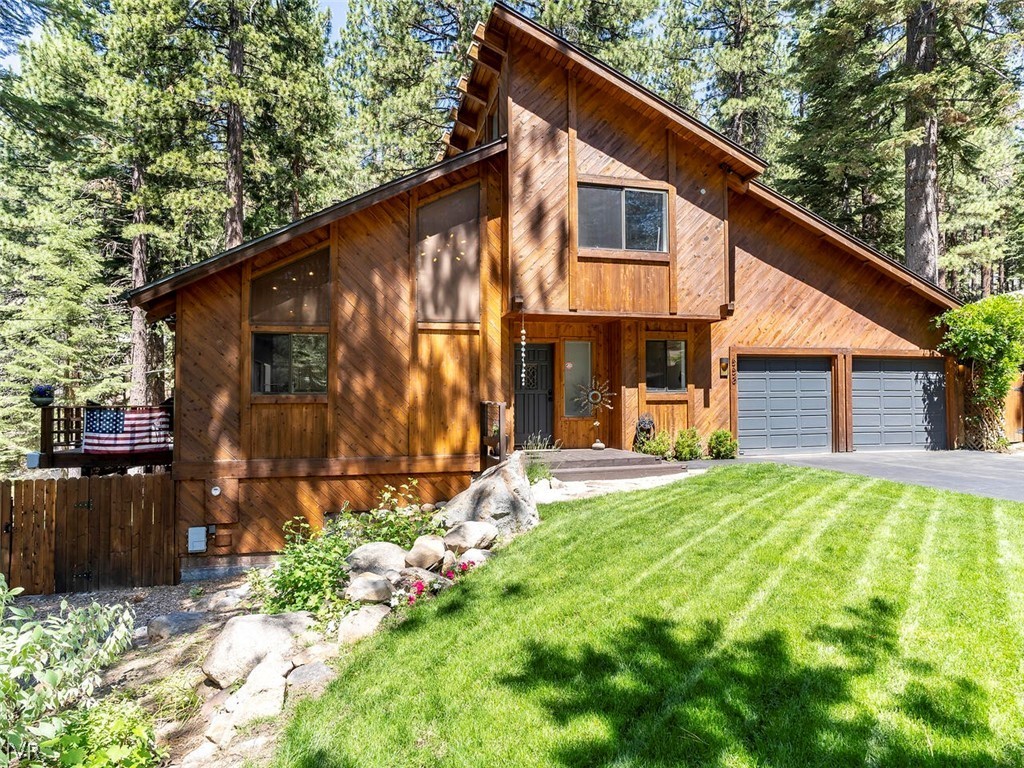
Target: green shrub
{"points": [[988, 338], [49, 664], [311, 570], [398, 518], [111, 733], [722, 445], [687, 446], [536, 469], [658, 445]]}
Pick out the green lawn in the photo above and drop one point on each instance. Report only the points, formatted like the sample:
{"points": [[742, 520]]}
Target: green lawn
{"points": [[757, 615]]}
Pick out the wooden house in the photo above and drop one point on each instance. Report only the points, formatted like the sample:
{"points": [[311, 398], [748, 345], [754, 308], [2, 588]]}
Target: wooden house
{"points": [[633, 245]]}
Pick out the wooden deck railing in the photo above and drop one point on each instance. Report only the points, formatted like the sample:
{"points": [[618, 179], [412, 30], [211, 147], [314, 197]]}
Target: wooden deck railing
{"points": [[493, 434], [60, 440]]}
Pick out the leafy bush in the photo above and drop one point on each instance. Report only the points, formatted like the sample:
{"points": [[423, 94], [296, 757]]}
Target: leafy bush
{"points": [[722, 445], [659, 445], [111, 733], [50, 664], [537, 470], [988, 338], [687, 446], [311, 570], [398, 518]]}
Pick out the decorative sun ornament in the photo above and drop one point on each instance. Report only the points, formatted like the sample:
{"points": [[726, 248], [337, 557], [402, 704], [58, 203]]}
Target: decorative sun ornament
{"points": [[594, 396]]}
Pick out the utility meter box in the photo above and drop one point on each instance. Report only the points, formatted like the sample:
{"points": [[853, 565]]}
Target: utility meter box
{"points": [[197, 539]]}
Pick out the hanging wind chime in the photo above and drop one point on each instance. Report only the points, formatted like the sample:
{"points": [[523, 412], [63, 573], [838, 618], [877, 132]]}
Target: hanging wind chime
{"points": [[522, 351]]}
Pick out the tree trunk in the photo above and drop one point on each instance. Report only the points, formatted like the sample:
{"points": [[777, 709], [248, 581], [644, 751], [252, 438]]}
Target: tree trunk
{"points": [[139, 336], [921, 157], [296, 176], [234, 217], [986, 280]]}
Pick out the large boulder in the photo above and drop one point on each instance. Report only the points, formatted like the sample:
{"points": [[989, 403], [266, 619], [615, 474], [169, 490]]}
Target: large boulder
{"points": [[362, 623], [369, 588], [471, 534], [500, 495], [246, 640], [431, 579], [426, 552], [377, 557]]}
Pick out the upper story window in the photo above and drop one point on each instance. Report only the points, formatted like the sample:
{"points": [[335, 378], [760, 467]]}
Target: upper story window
{"points": [[448, 258], [290, 309], [623, 218], [666, 365], [296, 294]]}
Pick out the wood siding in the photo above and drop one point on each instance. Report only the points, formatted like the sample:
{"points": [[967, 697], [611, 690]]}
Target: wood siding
{"points": [[796, 292]]}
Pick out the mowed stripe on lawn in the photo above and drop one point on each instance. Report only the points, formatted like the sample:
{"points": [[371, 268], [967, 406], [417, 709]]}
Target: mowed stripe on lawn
{"points": [[757, 615]]}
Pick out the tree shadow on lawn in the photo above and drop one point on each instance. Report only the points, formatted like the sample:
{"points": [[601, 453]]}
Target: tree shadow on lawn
{"points": [[664, 701]]}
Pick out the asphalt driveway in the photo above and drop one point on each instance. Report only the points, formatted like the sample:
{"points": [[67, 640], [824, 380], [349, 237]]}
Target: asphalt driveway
{"points": [[999, 476]]}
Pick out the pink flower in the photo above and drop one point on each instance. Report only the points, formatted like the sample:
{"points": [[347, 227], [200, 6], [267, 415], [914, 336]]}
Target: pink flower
{"points": [[420, 587], [412, 599], [450, 575]]}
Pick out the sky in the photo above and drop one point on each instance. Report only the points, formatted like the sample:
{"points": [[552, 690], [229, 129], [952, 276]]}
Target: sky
{"points": [[338, 8]]}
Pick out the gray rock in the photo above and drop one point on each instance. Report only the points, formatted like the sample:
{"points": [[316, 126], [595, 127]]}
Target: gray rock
{"points": [[426, 552], [177, 623], [471, 534], [263, 692], [361, 623], [411, 575], [224, 600], [377, 557], [222, 729], [246, 640], [394, 577], [200, 756], [427, 508], [449, 561], [315, 653], [369, 588], [501, 495], [310, 678], [475, 556]]}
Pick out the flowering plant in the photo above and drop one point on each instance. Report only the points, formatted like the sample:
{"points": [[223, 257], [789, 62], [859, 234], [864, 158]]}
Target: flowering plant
{"points": [[42, 390]]}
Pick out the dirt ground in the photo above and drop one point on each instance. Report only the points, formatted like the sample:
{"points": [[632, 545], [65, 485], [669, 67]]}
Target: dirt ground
{"points": [[166, 678]]}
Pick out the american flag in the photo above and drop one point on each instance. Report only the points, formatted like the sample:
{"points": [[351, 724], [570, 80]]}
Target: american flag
{"points": [[121, 430]]}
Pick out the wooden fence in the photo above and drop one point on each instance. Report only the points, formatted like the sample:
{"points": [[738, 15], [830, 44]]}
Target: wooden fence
{"points": [[83, 534]]}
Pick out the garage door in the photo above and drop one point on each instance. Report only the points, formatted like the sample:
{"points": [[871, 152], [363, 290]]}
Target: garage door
{"points": [[899, 403], [784, 404]]}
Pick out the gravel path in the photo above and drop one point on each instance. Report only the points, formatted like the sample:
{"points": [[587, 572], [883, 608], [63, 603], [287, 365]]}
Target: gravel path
{"points": [[147, 601]]}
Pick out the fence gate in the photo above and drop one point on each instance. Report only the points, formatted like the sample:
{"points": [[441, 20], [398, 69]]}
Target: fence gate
{"points": [[1014, 411], [82, 534]]}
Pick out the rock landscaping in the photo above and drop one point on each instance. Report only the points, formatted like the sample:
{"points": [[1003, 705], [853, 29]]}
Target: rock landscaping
{"points": [[258, 662]]}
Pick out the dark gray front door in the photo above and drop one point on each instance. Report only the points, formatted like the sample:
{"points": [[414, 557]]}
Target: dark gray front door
{"points": [[784, 404], [535, 393], [899, 403]]}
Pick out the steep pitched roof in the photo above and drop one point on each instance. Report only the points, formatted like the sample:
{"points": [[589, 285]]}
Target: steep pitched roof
{"points": [[149, 295], [489, 54]]}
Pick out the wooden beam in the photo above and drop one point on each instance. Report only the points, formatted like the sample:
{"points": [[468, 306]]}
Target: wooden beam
{"points": [[573, 208], [341, 467], [476, 53], [466, 89], [489, 38]]}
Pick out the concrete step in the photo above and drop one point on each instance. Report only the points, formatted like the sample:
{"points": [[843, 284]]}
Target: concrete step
{"points": [[582, 458], [617, 472]]}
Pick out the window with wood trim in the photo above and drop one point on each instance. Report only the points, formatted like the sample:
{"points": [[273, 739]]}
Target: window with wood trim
{"points": [[289, 363], [666, 365], [622, 218], [578, 366], [448, 258], [296, 294]]}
